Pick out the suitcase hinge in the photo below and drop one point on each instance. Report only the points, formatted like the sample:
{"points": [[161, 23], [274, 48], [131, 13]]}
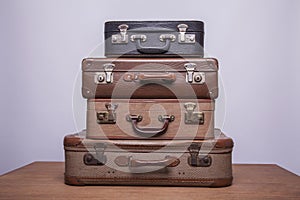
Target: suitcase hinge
{"points": [[193, 77], [122, 37], [109, 116], [96, 159], [192, 117], [196, 160], [183, 37], [165, 37], [143, 38], [106, 76]]}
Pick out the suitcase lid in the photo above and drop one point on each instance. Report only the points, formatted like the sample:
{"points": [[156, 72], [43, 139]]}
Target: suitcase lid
{"points": [[202, 104], [78, 142], [153, 26], [149, 64]]}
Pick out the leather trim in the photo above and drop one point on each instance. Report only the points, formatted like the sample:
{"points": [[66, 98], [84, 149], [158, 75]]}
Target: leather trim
{"points": [[194, 25], [199, 101], [94, 64], [72, 140], [204, 182]]}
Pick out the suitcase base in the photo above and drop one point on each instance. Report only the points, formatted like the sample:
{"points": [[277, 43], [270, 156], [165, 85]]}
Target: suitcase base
{"points": [[206, 163], [82, 181]]}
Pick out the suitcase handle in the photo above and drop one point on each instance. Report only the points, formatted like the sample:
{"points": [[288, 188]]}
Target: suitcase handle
{"points": [[150, 131], [153, 50], [124, 161], [168, 77]]}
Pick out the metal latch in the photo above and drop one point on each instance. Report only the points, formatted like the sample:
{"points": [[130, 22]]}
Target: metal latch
{"points": [[109, 116], [183, 37], [96, 159], [122, 37], [143, 38], [196, 160], [106, 76], [192, 117], [192, 76], [165, 37]]}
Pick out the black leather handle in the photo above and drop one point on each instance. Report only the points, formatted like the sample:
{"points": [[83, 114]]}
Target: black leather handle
{"points": [[153, 50], [150, 131]]}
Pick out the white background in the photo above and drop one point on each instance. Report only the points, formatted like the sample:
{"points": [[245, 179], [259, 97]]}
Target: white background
{"points": [[42, 43]]}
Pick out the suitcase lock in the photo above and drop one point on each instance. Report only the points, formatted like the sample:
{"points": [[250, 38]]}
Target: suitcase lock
{"points": [[106, 76], [96, 159], [109, 116], [196, 160], [192, 76], [183, 37], [192, 117], [121, 38]]}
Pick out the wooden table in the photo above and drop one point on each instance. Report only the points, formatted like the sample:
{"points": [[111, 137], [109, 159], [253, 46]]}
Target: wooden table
{"points": [[44, 180]]}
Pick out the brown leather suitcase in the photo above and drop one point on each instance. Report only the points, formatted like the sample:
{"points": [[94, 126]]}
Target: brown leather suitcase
{"points": [[166, 78], [150, 118], [147, 162]]}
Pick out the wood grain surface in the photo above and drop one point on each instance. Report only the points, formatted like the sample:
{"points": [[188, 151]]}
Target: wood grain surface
{"points": [[45, 180]]}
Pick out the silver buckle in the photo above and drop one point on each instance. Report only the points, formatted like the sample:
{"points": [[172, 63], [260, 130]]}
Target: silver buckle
{"points": [[122, 37], [192, 117], [165, 37], [143, 38], [193, 77], [106, 76], [183, 37]]}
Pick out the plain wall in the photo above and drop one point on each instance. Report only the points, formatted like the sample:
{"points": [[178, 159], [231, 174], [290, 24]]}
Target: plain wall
{"points": [[256, 42]]}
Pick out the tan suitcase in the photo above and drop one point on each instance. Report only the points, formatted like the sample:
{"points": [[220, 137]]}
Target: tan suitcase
{"points": [[148, 162], [150, 118]]}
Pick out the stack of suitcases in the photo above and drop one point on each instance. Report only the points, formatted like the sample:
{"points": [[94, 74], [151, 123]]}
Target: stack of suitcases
{"points": [[150, 111]]}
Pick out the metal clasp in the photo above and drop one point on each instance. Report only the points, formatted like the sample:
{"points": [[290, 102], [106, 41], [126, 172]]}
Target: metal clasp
{"points": [[189, 67], [183, 37], [122, 37], [106, 76], [192, 76], [108, 68], [143, 38], [196, 160], [109, 116], [165, 37], [96, 159], [192, 117]]}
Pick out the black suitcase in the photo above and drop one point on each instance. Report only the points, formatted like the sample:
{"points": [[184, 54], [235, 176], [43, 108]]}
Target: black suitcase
{"points": [[154, 38]]}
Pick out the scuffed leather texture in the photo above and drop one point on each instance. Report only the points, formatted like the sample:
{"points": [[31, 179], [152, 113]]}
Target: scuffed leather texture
{"points": [[77, 142], [163, 90], [150, 110], [218, 174]]}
